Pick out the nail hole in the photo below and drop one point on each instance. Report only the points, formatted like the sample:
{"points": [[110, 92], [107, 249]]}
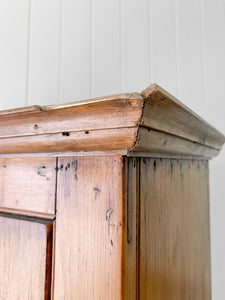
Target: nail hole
{"points": [[65, 133]]}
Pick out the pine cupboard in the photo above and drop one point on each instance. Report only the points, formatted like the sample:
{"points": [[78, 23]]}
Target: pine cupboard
{"points": [[106, 199]]}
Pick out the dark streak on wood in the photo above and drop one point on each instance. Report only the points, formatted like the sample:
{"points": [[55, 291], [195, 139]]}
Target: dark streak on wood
{"points": [[26, 218], [56, 182], [154, 165], [129, 204], [138, 227], [171, 167], [48, 270], [96, 189]]}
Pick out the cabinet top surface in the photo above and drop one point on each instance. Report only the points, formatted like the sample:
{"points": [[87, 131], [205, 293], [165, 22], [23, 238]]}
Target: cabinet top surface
{"points": [[152, 121]]}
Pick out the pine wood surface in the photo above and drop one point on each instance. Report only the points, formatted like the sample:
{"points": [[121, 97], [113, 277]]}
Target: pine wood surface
{"points": [[174, 230], [116, 113], [26, 213], [28, 184], [130, 236], [95, 140], [88, 246], [125, 228], [67, 153], [153, 141], [23, 259], [165, 113], [21, 110], [106, 198], [90, 125]]}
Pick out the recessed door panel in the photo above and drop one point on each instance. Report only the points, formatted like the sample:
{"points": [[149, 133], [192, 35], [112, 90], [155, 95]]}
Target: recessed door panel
{"points": [[24, 263]]}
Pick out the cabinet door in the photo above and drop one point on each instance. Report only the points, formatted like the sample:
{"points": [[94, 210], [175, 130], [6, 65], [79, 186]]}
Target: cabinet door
{"points": [[25, 262]]}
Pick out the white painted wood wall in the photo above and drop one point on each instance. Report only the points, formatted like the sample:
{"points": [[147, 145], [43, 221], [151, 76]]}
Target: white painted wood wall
{"points": [[54, 51]]}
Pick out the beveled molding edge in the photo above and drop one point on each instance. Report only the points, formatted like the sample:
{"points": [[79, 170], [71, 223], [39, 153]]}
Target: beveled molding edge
{"points": [[163, 112], [152, 123], [105, 153], [153, 141], [26, 214]]}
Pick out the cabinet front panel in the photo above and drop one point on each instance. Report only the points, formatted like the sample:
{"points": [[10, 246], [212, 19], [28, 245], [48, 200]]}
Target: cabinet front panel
{"points": [[28, 184], [23, 260], [89, 223]]}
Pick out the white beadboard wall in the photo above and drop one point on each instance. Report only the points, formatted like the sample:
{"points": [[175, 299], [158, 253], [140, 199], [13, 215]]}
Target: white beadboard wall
{"points": [[54, 51]]}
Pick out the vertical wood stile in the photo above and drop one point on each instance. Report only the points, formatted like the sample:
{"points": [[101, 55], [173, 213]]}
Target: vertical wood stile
{"points": [[89, 228]]}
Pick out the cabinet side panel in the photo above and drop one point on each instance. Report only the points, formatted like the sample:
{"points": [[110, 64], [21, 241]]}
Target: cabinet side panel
{"points": [[174, 230], [89, 228]]}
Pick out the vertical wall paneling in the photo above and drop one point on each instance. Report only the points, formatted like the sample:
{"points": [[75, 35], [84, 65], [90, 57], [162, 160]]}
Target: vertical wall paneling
{"points": [[134, 45], [106, 50], [190, 69], [163, 44], [76, 50], [44, 49], [14, 16], [214, 48]]}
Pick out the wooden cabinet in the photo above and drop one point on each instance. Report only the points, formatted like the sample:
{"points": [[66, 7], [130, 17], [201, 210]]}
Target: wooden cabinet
{"points": [[106, 199]]}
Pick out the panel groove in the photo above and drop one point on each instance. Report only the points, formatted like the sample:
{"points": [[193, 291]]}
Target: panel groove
{"points": [[48, 263]]}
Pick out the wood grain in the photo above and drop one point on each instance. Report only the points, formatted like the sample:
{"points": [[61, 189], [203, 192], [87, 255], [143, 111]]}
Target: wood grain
{"points": [[174, 237], [23, 259], [21, 110], [67, 153], [106, 114], [27, 213], [49, 262], [93, 223], [165, 113], [28, 184], [150, 140], [131, 139], [131, 232], [95, 140], [164, 155], [89, 225], [125, 96], [110, 123]]}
